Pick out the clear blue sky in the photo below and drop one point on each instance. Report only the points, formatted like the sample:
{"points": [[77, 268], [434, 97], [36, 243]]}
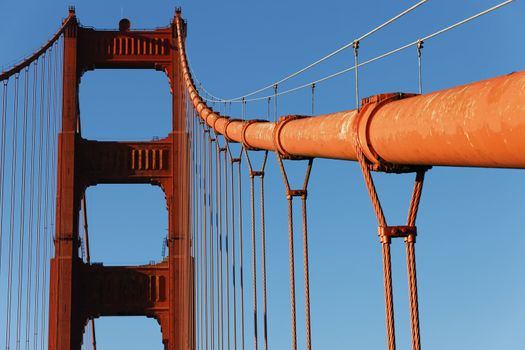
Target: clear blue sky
{"points": [[470, 258]]}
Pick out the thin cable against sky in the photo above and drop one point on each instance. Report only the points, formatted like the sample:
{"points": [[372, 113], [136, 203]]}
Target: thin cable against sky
{"points": [[401, 48], [311, 65]]}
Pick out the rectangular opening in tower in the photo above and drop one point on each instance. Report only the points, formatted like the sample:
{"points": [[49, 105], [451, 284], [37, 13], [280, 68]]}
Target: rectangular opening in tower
{"points": [[125, 105], [127, 224], [119, 332]]}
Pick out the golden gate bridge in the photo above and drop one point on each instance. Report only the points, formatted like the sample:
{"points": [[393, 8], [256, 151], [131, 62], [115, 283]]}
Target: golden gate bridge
{"points": [[197, 293]]}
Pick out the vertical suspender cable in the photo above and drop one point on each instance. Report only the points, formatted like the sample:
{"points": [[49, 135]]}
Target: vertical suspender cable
{"points": [[22, 233], [39, 207], [219, 246], [12, 207], [2, 164], [385, 246], [232, 206], [226, 227], [254, 258], [355, 45], [195, 216], [268, 115], [241, 257], [241, 271], [411, 261], [30, 227], [206, 211], [221, 234], [210, 278], [259, 174], [385, 239], [313, 98], [292, 271], [206, 237], [275, 87], [211, 258], [420, 76], [290, 194], [200, 240], [195, 208], [46, 204], [263, 262]]}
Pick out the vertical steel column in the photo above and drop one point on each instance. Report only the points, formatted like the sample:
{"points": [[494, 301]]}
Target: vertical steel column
{"points": [[178, 204], [65, 327]]}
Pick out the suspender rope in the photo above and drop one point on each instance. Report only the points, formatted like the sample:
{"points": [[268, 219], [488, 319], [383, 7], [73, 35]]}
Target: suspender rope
{"points": [[194, 241], [410, 241], [313, 98], [259, 174], [205, 239], [269, 99], [30, 227], [275, 87], [2, 164], [226, 228], [209, 244], [21, 242], [290, 194], [213, 202], [355, 45], [234, 160], [39, 209], [241, 257], [386, 233], [47, 203], [211, 140], [12, 213], [220, 200], [420, 76], [198, 244], [243, 108], [207, 232]]}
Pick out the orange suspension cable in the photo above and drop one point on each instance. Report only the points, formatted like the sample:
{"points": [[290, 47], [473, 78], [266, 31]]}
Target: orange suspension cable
{"points": [[386, 233], [259, 174], [22, 233], [226, 227], [2, 164], [209, 194], [12, 207], [290, 194], [241, 271], [218, 169], [30, 228], [233, 161]]}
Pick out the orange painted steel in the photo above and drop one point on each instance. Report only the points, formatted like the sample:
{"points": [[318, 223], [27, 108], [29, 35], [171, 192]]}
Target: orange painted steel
{"points": [[476, 125]]}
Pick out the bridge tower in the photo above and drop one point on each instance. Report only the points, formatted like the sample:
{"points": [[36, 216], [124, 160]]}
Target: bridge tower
{"points": [[81, 291]]}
